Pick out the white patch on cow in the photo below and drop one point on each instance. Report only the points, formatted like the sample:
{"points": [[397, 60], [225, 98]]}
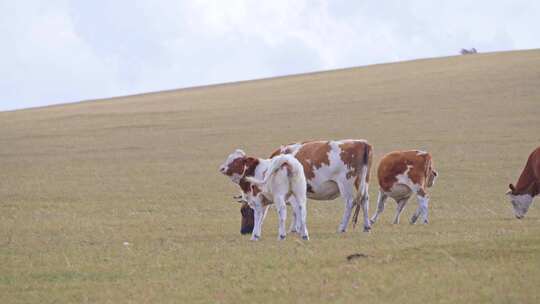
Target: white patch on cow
{"points": [[520, 204], [293, 148], [404, 179], [420, 152]]}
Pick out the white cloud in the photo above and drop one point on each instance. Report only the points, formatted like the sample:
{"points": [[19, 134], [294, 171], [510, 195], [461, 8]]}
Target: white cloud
{"points": [[59, 51]]}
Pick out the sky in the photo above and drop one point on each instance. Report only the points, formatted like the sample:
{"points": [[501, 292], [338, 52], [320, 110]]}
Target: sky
{"points": [[59, 51]]}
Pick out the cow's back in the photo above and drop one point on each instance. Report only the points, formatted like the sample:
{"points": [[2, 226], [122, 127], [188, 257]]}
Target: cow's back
{"points": [[313, 155], [534, 162]]}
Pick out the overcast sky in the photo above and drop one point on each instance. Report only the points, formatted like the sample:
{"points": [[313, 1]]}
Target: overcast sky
{"points": [[57, 51]]}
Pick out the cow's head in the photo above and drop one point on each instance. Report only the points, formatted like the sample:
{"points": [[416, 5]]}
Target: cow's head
{"points": [[234, 166], [521, 201], [248, 219], [432, 176]]}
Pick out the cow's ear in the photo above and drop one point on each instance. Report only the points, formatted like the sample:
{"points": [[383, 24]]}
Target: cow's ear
{"points": [[512, 189], [250, 163], [240, 152]]}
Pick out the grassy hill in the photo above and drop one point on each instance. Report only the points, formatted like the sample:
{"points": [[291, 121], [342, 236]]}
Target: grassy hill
{"points": [[120, 200]]}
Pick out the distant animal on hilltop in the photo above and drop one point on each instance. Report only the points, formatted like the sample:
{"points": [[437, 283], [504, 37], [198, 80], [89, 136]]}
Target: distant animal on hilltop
{"points": [[527, 187], [468, 51], [402, 174]]}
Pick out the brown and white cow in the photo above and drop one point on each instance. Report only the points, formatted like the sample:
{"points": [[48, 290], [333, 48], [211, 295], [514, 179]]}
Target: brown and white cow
{"points": [[331, 168], [528, 185], [402, 174]]}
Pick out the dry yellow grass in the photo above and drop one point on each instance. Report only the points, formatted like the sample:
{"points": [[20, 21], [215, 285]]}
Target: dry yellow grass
{"points": [[79, 181]]}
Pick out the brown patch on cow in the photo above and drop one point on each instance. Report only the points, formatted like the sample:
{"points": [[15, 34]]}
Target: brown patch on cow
{"points": [[250, 164], [236, 166], [316, 153], [529, 179], [396, 163], [265, 201], [356, 154], [245, 185], [256, 190], [276, 153]]}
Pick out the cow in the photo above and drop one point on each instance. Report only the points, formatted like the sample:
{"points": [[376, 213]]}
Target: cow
{"points": [[332, 168], [402, 174], [283, 181], [527, 187]]}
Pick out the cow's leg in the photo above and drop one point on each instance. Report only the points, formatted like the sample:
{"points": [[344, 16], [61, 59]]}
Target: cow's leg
{"points": [[381, 199], [281, 208], [346, 192], [364, 203], [295, 221], [258, 216], [422, 209], [423, 201], [259, 213], [400, 206], [301, 207]]}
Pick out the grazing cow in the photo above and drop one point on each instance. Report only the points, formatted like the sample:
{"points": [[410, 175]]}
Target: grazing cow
{"points": [[402, 174], [468, 51], [331, 168], [263, 182], [528, 185]]}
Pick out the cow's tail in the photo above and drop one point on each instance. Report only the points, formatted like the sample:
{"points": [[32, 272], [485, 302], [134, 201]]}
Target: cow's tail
{"points": [[364, 179], [275, 166]]}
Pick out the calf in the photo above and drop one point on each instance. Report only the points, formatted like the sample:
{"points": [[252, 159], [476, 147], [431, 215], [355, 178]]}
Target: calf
{"points": [[267, 181], [528, 185], [284, 181], [402, 174]]}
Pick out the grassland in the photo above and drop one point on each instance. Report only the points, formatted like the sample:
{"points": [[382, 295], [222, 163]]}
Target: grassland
{"points": [[120, 200]]}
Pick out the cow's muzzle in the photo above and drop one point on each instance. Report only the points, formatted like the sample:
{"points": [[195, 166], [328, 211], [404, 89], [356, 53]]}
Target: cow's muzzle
{"points": [[247, 230]]}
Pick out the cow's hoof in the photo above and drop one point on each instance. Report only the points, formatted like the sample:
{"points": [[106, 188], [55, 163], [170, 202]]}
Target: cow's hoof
{"points": [[413, 220], [371, 222], [255, 238], [425, 222], [281, 237], [305, 238], [367, 229]]}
